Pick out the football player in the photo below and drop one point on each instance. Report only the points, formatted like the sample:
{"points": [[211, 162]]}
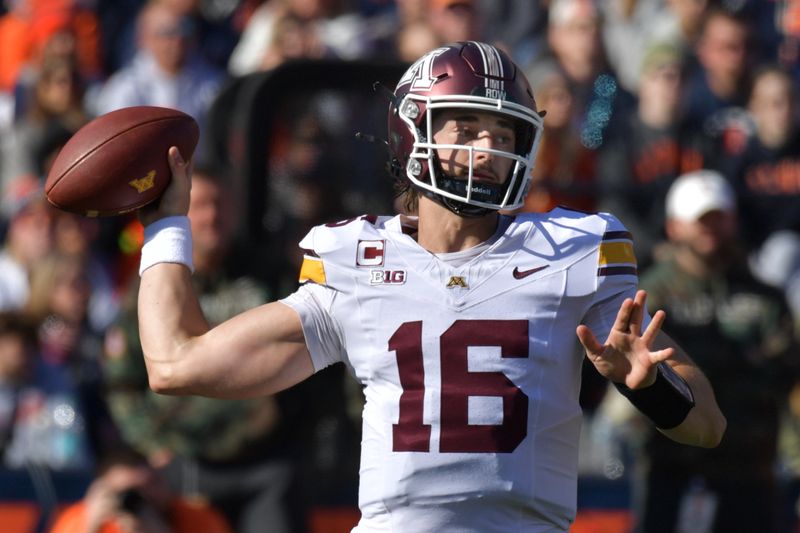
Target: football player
{"points": [[459, 322]]}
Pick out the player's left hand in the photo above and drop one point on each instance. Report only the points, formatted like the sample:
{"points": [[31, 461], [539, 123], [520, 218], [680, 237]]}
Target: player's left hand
{"points": [[627, 356]]}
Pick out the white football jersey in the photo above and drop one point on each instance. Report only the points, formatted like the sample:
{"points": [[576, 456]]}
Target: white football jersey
{"points": [[471, 373]]}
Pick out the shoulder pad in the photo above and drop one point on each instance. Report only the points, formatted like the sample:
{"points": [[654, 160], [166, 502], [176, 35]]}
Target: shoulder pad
{"points": [[327, 238], [328, 244]]}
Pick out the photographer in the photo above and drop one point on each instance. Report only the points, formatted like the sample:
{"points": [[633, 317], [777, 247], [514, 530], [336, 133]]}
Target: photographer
{"points": [[129, 496]]}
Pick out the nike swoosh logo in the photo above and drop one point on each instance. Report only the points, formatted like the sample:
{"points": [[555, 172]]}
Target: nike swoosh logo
{"points": [[519, 274]]}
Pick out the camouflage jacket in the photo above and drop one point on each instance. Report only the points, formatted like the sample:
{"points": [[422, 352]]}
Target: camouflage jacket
{"points": [[741, 334], [227, 431]]}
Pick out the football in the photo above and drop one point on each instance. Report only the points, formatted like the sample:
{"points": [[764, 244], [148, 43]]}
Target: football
{"points": [[118, 162]]}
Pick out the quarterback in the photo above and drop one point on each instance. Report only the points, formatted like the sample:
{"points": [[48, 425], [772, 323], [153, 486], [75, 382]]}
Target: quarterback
{"points": [[459, 322]]}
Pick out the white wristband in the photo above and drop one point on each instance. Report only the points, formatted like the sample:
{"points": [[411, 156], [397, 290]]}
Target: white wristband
{"points": [[167, 240]]}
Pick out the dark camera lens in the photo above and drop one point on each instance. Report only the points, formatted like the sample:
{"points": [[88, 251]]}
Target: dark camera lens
{"points": [[131, 501]]}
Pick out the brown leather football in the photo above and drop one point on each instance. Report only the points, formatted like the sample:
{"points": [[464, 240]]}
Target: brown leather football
{"points": [[118, 162]]}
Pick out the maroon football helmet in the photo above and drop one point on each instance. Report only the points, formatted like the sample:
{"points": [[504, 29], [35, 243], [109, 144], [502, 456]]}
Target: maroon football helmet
{"points": [[466, 75]]}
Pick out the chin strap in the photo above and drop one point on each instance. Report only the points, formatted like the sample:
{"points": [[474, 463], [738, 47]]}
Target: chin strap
{"points": [[459, 208], [482, 192]]}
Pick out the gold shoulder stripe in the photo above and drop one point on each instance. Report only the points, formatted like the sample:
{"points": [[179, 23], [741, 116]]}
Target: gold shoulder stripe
{"points": [[312, 270], [612, 253]]}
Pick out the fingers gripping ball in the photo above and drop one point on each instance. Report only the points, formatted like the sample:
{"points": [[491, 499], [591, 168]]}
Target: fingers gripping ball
{"points": [[118, 162]]}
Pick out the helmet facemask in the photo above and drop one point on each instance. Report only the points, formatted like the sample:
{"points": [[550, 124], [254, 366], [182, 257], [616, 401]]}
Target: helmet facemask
{"points": [[464, 195]]}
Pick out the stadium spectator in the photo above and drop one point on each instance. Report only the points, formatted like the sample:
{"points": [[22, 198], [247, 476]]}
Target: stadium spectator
{"points": [[82, 237], [454, 20], [412, 10], [392, 31], [70, 350], [215, 26], [128, 495], [573, 37], [43, 420], [28, 239], [32, 27], [787, 27], [165, 71], [17, 352], [766, 172], [54, 112], [256, 36], [339, 31], [743, 334], [648, 149], [565, 169], [517, 26], [684, 23], [236, 454], [631, 27], [718, 80], [413, 40], [293, 38]]}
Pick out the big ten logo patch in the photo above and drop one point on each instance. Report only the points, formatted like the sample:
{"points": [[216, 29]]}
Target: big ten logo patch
{"points": [[370, 253], [387, 277]]}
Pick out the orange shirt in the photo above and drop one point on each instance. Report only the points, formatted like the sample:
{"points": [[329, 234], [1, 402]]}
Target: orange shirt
{"points": [[186, 518], [22, 38], [16, 49]]}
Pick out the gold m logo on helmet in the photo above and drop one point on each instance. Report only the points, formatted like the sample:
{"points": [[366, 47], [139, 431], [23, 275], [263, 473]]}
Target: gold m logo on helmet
{"points": [[457, 281], [145, 183]]}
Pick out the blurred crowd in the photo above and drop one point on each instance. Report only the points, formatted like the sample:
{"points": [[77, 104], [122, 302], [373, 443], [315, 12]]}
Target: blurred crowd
{"points": [[678, 116]]}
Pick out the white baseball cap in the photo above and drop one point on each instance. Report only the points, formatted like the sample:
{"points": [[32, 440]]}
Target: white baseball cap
{"points": [[694, 194]]}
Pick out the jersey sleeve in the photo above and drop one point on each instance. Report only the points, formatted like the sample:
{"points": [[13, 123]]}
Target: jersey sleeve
{"points": [[617, 278], [312, 269], [314, 301], [322, 333]]}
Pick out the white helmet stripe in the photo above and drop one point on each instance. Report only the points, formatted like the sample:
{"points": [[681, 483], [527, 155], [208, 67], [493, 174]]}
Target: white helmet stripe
{"points": [[492, 66], [500, 73], [482, 49]]}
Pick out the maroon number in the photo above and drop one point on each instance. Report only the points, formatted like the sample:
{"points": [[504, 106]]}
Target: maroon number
{"points": [[458, 385], [410, 434]]}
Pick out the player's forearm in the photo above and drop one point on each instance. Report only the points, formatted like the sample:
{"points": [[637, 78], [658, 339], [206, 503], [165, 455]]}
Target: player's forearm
{"points": [[169, 318], [705, 424], [680, 401]]}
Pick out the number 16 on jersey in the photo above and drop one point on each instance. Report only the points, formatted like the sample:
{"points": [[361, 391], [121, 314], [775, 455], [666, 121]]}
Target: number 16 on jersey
{"points": [[458, 384]]}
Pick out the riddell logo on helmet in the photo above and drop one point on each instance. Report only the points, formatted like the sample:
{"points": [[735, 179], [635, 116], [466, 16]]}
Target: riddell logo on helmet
{"points": [[495, 93]]}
